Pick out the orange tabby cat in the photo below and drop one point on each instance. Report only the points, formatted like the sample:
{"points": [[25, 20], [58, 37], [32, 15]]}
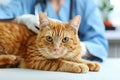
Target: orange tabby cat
{"points": [[55, 48]]}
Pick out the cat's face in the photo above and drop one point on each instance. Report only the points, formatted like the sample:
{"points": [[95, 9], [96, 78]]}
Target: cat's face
{"points": [[57, 39]]}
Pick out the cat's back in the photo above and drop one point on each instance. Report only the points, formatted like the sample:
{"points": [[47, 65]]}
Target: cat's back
{"points": [[13, 36], [11, 27], [14, 30]]}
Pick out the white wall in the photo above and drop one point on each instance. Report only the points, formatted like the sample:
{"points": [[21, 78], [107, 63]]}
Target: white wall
{"points": [[115, 14]]}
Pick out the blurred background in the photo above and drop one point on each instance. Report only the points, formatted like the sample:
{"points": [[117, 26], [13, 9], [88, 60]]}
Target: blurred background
{"points": [[110, 11]]}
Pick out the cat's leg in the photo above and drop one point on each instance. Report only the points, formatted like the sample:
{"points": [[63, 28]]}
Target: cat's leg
{"points": [[93, 66], [8, 60], [56, 65]]}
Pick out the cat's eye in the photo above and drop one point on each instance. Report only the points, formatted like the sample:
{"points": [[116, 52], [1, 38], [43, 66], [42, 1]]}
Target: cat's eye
{"points": [[65, 39], [49, 38]]}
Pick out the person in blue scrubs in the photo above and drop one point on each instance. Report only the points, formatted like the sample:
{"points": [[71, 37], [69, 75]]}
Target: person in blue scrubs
{"points": [[91, 31]]}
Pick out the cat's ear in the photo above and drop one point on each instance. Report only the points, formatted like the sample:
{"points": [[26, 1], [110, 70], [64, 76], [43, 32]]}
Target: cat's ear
{"points": [[75, 22], [43, 20]]}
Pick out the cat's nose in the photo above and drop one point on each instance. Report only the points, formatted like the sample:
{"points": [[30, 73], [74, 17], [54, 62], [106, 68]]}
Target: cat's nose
{"points": [[56, 49]]}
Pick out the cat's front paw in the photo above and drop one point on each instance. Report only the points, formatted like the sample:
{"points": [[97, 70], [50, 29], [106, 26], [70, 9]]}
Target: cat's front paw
{"points": [[11, 59], [82, 68], [94, 66]]}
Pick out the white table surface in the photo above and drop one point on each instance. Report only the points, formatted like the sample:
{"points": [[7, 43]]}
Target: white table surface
{"points": [[110, 71]]}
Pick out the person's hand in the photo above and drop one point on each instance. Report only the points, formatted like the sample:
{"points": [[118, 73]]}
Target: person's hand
{"points": [[83, 47], [31, 21], [85, 53]]}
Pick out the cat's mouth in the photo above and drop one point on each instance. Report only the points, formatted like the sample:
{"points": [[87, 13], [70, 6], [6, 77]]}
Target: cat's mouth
{"points": [[58, 54], [51, 54], [54, 55]]}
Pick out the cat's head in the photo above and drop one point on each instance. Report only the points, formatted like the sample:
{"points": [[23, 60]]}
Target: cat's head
{"points": [[58, 39]]}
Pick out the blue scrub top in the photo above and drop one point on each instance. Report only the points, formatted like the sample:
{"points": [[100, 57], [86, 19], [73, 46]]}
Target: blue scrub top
{"points": [[91, 30]]}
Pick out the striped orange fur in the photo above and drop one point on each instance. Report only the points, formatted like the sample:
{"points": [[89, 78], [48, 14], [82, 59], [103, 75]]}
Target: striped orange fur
{"points": [[55, 48]]}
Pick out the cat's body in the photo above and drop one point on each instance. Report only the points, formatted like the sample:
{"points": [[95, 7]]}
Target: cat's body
{"points": [[14, 39], [55, 48]]}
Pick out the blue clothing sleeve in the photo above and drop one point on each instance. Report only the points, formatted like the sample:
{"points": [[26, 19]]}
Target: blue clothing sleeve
{"points": [[92, 30], [16, 8]]}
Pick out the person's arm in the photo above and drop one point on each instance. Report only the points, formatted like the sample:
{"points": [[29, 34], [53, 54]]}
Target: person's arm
{"points": [[17, 8], [20, 11], [92, 32]]}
